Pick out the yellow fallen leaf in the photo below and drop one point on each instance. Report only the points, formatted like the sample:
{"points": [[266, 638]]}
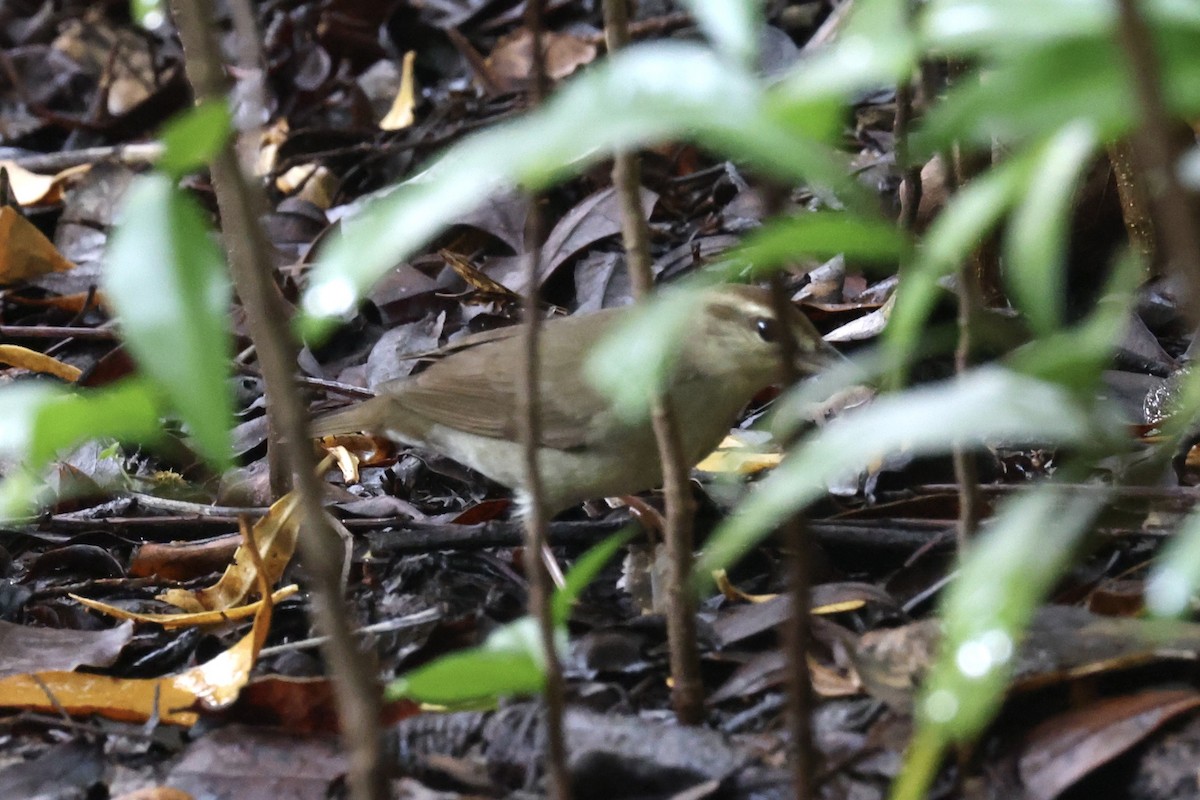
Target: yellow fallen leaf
{"points": [[17, 356], [185, 620], [401, 114], [275, 535]]}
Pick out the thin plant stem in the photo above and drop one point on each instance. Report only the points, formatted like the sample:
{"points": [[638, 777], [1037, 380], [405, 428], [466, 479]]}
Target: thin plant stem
{"points": [[687, 691], [354, 680], [540, 587], [797, 553]]}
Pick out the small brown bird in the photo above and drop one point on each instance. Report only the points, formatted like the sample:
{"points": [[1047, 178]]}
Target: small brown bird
{"points": [[465, 404]]}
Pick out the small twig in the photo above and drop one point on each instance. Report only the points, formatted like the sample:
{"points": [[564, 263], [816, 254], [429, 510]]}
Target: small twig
{"points": [[387, 626], [540, 594], [143, 153], [51, 332], [965, 472]]}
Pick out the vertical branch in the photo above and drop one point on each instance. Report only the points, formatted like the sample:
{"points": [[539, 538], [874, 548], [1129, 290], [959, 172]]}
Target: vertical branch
{"points": [[1156, 154], [353, 676], [910, 201], [965, 472], [797, 550], [687, 694], [540, 600]]}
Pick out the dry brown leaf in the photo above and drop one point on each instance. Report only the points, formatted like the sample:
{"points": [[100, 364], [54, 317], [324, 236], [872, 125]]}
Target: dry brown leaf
{"points": [[511, 60], [16, 356], [732, 592], [401, 114], [181, 561], [82, 693], [25, 252], [31, 649], [33, 188], [476, 279], [269, 143]]}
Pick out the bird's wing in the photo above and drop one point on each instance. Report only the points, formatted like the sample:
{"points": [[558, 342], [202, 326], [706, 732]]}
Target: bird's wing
{"points": [[475, 388]]}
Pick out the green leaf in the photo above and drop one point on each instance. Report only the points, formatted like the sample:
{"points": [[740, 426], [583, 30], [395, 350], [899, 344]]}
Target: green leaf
{"points": [[510, 662], [1035, 246], [644, 94], [166, 279], [823, 234], [192, 139], [1007, 572], [472, 676], [986, 404], [732, 25], [585, 570]]}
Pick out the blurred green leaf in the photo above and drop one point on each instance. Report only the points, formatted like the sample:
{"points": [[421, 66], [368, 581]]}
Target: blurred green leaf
{"points": [[643, 94], [631, 364], [732, 25], [972, 26], [41, 419], [166, 279], [823, 234], [193, 138], [150, 14], [585, 570], [1173, 582], [511, 661], [128, 411], [877, 47], [958, 230], [1007, 572], [1076, 358], [1035, 245], [1033, 91], [986, 404]]}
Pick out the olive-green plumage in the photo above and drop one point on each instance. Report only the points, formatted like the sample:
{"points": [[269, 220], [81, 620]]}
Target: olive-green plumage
{"points": [[465, 404]]}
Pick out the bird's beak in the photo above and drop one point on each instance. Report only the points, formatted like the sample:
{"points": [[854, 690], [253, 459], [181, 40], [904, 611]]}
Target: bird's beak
{"points": [[810, 362]]}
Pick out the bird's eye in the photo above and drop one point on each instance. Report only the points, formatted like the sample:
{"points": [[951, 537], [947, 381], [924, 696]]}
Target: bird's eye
{"points": [[768, 329]]}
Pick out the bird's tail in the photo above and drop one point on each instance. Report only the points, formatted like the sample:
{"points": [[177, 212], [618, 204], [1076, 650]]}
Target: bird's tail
{"points": [[364, 416]]}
